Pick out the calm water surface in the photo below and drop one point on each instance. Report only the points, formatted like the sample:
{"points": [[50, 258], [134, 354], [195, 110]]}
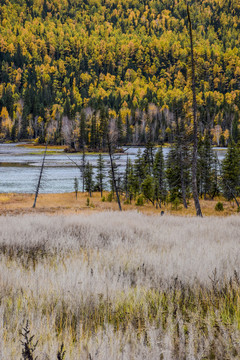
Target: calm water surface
{"points": [[20, 167]]}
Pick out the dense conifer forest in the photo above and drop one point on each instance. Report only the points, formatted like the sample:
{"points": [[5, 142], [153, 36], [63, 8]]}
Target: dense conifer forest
{"points": [[68, 69]]}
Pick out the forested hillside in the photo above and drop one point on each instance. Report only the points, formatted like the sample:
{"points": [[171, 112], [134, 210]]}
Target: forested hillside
{"points": [[68, 67]]}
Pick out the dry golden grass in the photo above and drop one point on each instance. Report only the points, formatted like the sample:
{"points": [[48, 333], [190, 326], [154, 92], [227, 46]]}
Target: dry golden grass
{"points": [[38, 146], [67, 204]]}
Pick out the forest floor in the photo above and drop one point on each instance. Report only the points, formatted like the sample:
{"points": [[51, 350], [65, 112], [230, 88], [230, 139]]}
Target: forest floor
{"points": [[68, 204]]}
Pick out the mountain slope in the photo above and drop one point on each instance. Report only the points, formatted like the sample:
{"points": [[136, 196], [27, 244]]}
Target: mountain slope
{"points": [[58, 57]]}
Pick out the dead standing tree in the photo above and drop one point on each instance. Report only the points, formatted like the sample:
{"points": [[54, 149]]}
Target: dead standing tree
{"points": [[40, 176], [81, 167], [180, 145], [195, 135], [110, 142]]}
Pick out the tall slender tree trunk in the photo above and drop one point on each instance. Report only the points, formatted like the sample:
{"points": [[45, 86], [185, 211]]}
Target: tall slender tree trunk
{"points": [[101, 188], [195, 138], [179, 145], [113, 173], [83, 169], [182, 181], [126, 179], [40, 177]]}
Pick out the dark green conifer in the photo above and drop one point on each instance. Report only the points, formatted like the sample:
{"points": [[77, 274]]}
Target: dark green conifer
{"points": [[231, 172], [132, 183], [205, 166], [148, 188], [175, 171], [159, 177], [148, 156], [88, 175], [139, 170], [100, 174]]}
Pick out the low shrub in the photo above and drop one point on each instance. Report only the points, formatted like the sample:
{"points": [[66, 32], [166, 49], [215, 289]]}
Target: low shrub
{"points": [[219, 206], [140, 201], [110, 197], [176, 203]]}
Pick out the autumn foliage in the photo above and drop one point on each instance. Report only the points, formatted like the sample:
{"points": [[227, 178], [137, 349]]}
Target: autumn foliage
{"points": [[67, 68]]}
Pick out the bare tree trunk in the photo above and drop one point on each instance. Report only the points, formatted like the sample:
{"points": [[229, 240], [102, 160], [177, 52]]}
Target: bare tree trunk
{"points": [[179, 145], [40, 177], [113, 173], [83, 169], [195, 139], [182, 181], [80, 167]]}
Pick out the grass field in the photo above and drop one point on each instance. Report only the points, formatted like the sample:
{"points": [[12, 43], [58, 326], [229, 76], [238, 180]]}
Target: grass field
{"points": [[15, 204], [112, 285]]}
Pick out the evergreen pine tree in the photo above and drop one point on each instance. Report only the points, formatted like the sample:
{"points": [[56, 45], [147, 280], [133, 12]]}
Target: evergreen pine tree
{"points": [[175, 171], [88, 175], [148, 156], [148, 188], [14, 132], [120, 130], [128, 131], [103, 127], [129, 181], [139, 170], [231, 172], [205, 167], [93, 133], [159, 177], [100, 173], [126, 178], [235, 130], [132, 183], [214, 189]]}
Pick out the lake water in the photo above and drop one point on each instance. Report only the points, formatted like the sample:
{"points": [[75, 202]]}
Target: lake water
{"points": [[20, 167]]}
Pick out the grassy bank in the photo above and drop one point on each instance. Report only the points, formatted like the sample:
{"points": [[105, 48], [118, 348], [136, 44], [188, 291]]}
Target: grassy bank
{"points": [[67, 203], [121, 286]]}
